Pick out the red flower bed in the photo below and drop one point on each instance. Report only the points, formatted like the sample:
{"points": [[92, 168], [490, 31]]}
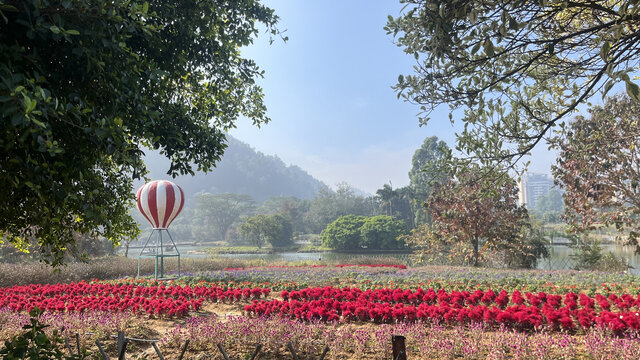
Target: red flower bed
{"points": [[374, 265], [514, 310], [162, 300]]}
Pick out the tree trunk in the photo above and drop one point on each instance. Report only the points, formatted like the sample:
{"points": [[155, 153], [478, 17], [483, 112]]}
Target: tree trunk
{"points": [[475, 251], [126, 249]]}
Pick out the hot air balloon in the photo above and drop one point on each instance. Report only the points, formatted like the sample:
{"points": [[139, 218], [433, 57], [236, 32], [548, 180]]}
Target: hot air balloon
{"points": [[160, 202]]}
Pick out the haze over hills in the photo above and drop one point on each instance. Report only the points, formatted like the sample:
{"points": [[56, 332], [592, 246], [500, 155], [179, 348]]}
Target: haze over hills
{"points": [[242, 170]]}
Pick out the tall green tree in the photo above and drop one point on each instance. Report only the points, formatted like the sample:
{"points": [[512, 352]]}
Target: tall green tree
{"points": [[329, 205], [515, 68], [290, 207], [404, 205], [85, 85], [279, 231], [274, 229], [386, 195], [599, 168], [216, 213], [424, 173], [253, 229]]}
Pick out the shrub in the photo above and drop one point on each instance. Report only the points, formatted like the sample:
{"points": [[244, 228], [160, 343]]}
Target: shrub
{"points": [[382, 232], [589, 256], [343, 233]]}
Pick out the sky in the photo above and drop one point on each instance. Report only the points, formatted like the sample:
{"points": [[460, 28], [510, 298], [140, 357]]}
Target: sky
{"points": [[328, 94]]}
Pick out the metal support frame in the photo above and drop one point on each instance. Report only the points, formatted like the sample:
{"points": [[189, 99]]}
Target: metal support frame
{"points": [[157, 252]]}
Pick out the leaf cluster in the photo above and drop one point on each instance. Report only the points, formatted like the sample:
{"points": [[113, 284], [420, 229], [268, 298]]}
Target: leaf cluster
{"points": [[599, 168], [465, 211], [86, 85], [516, 68]]}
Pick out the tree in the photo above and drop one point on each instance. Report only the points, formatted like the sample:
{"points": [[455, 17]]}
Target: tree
{"points": [[274, 229], [381, 233], [85, 85], [386, 195], [217, 212], [549, 207], [404, 205], [462, 211], [253, 229], [279, 231], [290, 207], [599, 167], [424, 173], [343, 233], [329, 205], [516, 68]]}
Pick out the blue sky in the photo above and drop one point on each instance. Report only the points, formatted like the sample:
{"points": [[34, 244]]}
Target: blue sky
{"points": [[328, 93]]}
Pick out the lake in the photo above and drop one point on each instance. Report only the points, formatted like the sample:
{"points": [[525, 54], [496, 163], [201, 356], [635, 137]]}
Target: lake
{"points": [[560, 258]]}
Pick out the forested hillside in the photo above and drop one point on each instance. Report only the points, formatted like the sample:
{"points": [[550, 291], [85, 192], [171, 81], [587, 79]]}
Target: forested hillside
{"points": [[242, 170]]}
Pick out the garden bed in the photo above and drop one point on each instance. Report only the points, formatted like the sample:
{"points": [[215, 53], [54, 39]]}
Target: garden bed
{"points": [[443, 312]]}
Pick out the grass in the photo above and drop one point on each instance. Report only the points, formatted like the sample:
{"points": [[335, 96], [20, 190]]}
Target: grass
{"points": [[106, 268], [114, 267]]}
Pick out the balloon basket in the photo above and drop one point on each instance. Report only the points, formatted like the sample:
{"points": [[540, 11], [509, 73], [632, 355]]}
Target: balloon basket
{"points": [[159, 250]]}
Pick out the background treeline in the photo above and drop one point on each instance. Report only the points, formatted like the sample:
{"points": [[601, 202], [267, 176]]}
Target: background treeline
{"points": [[210, 216], [344, 219]]}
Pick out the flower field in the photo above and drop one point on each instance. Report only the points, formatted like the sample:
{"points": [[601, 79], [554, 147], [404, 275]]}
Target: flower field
{"points": [[443, 312], [152, 300], [519, 311]]}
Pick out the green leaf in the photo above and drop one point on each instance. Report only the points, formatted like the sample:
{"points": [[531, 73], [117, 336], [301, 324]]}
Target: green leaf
{"points": [[604, 50], [476, 48], [55, 29], [633, 90], [607, 87], [488, 47], [473, 16], [513, 24], [73, 32], [29, 104]]}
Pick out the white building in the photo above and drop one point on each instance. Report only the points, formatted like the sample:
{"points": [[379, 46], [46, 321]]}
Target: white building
{"points": [[531, 187]]}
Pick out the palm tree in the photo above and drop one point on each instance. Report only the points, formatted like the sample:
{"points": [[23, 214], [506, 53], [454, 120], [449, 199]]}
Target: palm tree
{"points": [[386, 194]]}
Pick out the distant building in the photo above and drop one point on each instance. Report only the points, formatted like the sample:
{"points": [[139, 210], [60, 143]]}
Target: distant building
{"points": [[531, 187]]}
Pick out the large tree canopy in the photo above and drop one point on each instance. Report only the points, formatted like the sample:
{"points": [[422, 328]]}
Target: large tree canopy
{"points": [[516, 67], [599, 167], [86, 84], [463, 213]]}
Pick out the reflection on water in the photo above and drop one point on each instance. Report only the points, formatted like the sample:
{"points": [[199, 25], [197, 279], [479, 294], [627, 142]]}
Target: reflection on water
{"points": [[560, 256]]}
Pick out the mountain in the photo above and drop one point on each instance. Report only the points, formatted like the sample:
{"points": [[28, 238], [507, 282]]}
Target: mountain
{"points": [[242, 170]]}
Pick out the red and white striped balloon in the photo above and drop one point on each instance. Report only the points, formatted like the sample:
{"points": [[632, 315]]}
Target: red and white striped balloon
{"points": [[160, 201]]}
